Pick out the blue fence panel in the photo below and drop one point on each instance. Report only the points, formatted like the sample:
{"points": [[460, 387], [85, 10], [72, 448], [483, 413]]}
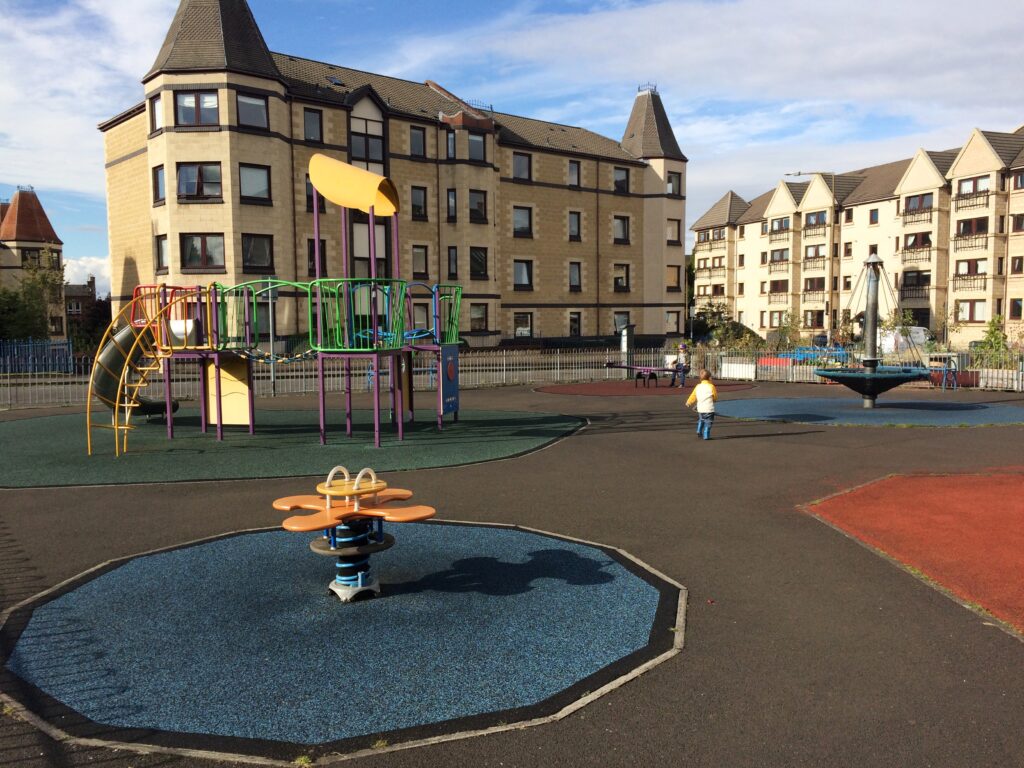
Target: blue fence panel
{"points": [[36, 356]]}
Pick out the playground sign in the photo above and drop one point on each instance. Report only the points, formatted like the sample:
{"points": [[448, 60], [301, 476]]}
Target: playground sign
{"points": [[449, 378]]}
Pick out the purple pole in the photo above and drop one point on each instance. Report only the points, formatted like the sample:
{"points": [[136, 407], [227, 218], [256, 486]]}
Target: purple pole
{"points": [[319, 319], [167, 398], [396, 375], [373, 320], [440, 399], [248, 363], [348, 396], [220, 410], [376, 402], [204, 398]]}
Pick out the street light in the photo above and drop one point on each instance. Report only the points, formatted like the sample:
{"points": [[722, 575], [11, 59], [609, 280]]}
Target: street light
{"points": [[832, 223]]}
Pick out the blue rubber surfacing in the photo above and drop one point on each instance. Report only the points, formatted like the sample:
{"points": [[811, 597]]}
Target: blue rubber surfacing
{"points": [[850, 412], [237, 637]]}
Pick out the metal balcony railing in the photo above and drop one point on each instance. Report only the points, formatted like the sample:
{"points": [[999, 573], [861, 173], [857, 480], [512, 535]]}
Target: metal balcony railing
{"points": [[971, 200], [814, 262], [970, 282], [703, 245], [914, 292], [778, 266], [778, 298], [718, 272], [917, 216], [814, 230], [778, 234], [970, 242], [702, 272], [814, 297], [718, 245], [916, 255]]}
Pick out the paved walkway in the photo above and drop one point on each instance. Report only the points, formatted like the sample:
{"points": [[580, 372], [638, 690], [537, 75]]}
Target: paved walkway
{"points": [[803, 648]]}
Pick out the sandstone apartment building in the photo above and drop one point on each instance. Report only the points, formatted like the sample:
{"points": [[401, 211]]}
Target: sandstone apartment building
{"points": [[949, 226], [552, 230]]}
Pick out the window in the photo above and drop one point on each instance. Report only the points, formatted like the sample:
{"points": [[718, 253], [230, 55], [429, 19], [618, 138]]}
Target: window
{"points": [[620, 178], [915, 203], [199, 181], [967, 227], [522, 222], [917, 240], [778, 286], [254, 183], [417, 141], [672, 281], [620, 230], [419, 261], [574, 173], [419, 203], [816, 219], [310, 258], [674, 183], [477, 263], [780, 255], [366, 144], [321, 202], [780, 224], [740, 259], [200, 252], [477, 206], [1017, 265], [704, 236], [620, 277], [575, 276], [1015, 309], [973, 186], [453, 206], [621, 320], [1017, 222], [873, 216], [313, 125], [743, 230], [252, 111], [847, 250], [522, 324], [848, 216], [420, 315], [739, 289], [31, 257], [450, 147], [477, 147], [814, 284], [522, 275], [764, 257], [158, 184], [156, 113], [972, 267], [522, 166], [764, 287], [673, 232], [814, 318], [775, 318], [764, 227], [575, 323], [194, 108], [575, 230], [914, 279], [971, 311], [847, 282], [453, 262], [812, 252], [762, 318], [161, 255], [478, 317], [56, 324], [74, 307], [873, 249], [258, 254]]}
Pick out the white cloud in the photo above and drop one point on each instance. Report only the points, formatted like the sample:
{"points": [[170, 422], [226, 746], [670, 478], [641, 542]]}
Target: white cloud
{"points": [[78, 270], [62, 72]]}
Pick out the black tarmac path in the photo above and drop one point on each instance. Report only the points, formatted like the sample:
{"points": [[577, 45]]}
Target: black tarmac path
{"points": [[802, 647]]}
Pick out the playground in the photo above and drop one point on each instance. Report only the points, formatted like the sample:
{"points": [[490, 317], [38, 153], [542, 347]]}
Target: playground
{"points": [[523, 577]]}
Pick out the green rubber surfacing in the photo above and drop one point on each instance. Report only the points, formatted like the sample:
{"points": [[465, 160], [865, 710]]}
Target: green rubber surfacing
{"points": [[51, 450]]}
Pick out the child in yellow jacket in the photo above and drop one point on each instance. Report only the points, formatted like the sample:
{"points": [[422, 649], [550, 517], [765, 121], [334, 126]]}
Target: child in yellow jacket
{"points": [[704, 395]]}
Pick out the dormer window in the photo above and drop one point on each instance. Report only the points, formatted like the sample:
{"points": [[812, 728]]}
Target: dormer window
{"points": [[196, 108], [252, 111]]}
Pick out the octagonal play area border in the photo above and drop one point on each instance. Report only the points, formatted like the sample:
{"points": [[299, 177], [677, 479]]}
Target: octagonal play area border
{"points": [[664, 639]]}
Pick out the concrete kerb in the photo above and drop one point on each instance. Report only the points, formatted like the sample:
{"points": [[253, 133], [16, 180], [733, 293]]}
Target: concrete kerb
{"points": [[57, 734]]}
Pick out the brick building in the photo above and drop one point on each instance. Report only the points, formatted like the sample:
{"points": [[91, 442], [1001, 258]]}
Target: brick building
{"points": [[552, 230]]}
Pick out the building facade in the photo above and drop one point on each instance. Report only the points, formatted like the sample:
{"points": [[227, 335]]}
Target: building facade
{"points": [[27, 242], [552, 230], [948, 225]]}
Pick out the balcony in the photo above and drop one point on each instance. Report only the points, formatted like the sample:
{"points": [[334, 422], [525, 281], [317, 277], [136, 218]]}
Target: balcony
{"points": [[917, 216], [702, 273], [812, 297], [970, 282], [971, 200], [914, 292], [916, 255], [777, 235], [778, 266], [710, 245], [717, 271], [814, 230], [702, 301], [778, 298], [970, 242], [814, 262]]}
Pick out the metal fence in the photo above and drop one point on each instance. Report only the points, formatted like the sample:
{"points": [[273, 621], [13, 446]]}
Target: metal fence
{"points": [[37, 356], [486, 368]]}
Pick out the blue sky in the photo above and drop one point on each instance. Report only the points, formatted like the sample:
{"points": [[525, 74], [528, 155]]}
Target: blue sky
{"points": [[754, 88]]}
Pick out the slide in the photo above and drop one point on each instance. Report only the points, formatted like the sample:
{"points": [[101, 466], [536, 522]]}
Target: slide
{"points": [[112, 357]]}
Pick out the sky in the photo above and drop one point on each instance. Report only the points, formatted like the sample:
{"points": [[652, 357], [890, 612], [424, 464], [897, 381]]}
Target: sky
{"points": [[754, 88]]}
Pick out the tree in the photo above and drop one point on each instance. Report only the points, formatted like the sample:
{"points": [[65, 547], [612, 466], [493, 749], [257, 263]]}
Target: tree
{"points": [[787, 334], [25, 310]]}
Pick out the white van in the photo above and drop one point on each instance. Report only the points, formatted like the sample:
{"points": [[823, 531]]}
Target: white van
{"points": [[895, 341]]}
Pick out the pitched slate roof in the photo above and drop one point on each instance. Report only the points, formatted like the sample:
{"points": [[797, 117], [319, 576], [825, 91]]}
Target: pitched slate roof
{"points": [[797, 189], [757, 208], [943, 160], [3, 210], [723, 213], [1006, 145], [26, 220], [525, 131], [648, 132], [214, 35], [878, 182]]}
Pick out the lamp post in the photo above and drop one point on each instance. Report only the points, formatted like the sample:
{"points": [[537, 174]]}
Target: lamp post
{"points": [[832, 222]]}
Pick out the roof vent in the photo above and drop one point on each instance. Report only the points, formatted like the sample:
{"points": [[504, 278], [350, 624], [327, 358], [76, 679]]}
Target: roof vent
{"points": [[648, 88], [334, 81], [26, 188]]}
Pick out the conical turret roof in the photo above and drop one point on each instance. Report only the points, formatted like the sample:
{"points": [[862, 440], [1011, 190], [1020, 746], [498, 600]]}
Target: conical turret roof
{"points": [[25, 220], [212, 36], [648, 132]]}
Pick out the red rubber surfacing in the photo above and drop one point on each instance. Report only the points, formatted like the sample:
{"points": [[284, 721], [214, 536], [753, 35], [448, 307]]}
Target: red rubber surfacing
{"points": [[625, 388], [965, 532]]}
